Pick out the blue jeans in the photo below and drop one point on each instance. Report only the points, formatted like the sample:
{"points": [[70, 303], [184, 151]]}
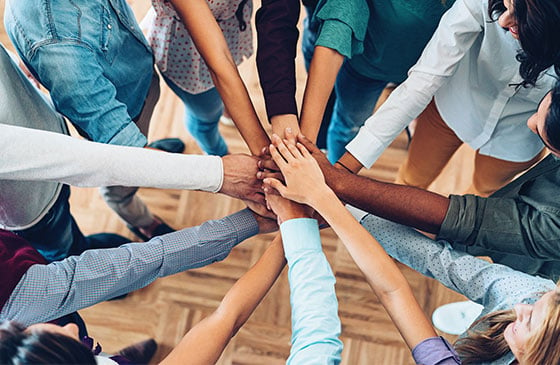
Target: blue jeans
{"points": [[57, 235], [356, 96], [202, 114]]}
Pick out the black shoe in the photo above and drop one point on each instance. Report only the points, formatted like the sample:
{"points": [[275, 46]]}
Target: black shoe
{"points": [[172, 145], [160, 230], [139, 353], [105, 240]]}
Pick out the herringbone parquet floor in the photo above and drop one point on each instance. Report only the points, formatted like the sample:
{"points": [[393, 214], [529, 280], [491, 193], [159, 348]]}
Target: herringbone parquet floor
{"points": [[167, 309]]}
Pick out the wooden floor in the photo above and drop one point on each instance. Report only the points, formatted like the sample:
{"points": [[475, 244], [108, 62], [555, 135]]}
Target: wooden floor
{"points": [[167, 309]]}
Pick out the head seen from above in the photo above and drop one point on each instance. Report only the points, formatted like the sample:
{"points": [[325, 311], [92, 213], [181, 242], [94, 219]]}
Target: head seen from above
{"points": [[529, 331], [536, 24], [545, 122]]}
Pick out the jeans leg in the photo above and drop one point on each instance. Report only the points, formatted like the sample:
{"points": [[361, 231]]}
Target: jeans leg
{"points": [[57, 234], [202, 114], [356, 96]]}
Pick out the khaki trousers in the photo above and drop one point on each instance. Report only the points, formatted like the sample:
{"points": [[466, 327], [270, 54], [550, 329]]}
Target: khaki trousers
{"points": [[433, 145]]}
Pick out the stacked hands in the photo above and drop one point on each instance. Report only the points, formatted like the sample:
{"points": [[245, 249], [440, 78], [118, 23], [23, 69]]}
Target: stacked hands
{"points": [[291, 173], [291, 170]]}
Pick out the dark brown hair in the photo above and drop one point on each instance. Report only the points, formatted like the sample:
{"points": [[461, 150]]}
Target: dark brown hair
{"points": [[538, 23]]}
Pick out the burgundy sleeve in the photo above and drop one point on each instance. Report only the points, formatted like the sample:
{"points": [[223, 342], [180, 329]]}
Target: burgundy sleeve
{"points": [[277, 36]]}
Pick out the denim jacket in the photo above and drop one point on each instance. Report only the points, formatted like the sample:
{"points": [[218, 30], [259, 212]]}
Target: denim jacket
{"points": [[92, 57]]}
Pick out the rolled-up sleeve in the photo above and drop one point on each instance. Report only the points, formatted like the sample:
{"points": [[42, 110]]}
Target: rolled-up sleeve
{"points": [[504, 225]]}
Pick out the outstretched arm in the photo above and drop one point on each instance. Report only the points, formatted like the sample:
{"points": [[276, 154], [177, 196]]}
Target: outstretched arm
{"points": [[403, 204], [47, 292], [205, 342], [305, 184], [211, 44]]}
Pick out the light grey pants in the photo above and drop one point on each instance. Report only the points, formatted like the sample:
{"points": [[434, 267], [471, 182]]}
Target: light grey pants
{"points": [[123, 199]]}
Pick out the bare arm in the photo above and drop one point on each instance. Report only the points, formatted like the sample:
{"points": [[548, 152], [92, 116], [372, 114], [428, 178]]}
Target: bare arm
{"points": [[205, 342], [323, 70], [306, 184], [211, 44], [403, 204]]}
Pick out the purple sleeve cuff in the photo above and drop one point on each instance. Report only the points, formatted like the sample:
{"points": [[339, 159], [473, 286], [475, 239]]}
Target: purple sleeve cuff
{"points": [[435, 351]]}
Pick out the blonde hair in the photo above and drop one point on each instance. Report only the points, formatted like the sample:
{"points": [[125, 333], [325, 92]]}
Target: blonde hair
{"points": [[485, 340]]}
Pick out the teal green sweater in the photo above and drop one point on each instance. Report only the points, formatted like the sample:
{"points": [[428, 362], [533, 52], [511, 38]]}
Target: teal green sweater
{"points": [[382, 38]]}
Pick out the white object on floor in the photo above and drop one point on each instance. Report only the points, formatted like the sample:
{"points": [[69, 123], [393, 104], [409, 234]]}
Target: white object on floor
{"points": [[227, 121], [455, 318]]}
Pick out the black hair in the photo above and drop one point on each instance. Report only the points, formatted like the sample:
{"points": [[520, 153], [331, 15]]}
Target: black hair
{"points": [[552, 120], [538, 23], [18, 347]]}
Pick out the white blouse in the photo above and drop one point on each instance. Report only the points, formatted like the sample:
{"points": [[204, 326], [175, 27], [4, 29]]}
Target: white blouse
{"points": [[175, 52], [469, 67]]}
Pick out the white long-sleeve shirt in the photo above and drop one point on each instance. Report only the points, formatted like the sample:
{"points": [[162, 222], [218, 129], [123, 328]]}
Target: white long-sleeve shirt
{"points": [[469, 67], [30, 156], [36, 156]]}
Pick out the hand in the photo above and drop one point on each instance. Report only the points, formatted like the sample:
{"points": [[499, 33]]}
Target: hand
{"points": [[283, 208], [304, 180], [260, 209], [332, 174], [240, 178], [266, 224]]}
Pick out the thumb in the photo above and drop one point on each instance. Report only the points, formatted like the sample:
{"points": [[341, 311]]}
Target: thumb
{"points": [[277, 185], [310, 146]]}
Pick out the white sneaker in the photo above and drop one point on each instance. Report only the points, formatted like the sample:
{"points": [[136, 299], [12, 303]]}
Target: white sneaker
{"points": [[455, 318]]}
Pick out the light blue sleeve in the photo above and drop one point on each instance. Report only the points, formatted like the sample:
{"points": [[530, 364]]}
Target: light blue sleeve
{"points": [[492, 285], [315, 323], [47, 292]]}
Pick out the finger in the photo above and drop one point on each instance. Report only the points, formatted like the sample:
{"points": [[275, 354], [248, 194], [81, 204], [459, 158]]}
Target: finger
{"points": [[261, 175], [308, 144], [278, 158], [277, 185], [295, 151], [268, 164], [290, 136], [304, 152], [282, 149]]}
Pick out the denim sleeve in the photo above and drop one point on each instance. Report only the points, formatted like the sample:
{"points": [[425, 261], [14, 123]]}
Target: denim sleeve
{"points": [[50, 291], [492, 285], [503, 225], [82, 93], [315, 323]]}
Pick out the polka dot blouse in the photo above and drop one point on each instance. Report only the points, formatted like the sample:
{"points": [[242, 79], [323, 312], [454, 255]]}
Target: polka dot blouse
{"points": [[174, 50]]}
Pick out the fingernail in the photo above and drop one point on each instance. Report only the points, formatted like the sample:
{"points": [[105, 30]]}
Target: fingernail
{"points": [[259, 174]]}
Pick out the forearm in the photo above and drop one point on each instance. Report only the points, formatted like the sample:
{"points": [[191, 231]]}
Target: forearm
{"points": [[36, 155], [204, 343], [49, 291], [323, 70], [403, 204], [211, 44], [381, 272], [479, 280]]}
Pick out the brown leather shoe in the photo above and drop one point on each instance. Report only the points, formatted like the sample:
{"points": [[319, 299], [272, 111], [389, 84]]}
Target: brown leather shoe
{"points": [[140, 352]]}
